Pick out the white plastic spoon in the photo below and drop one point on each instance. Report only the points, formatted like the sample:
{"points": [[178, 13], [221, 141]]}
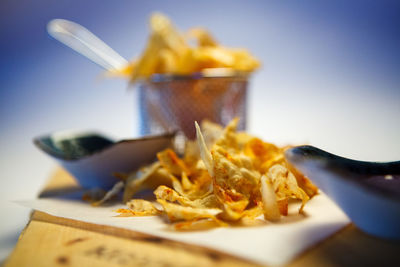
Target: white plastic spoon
{"points": [[86, 43]]}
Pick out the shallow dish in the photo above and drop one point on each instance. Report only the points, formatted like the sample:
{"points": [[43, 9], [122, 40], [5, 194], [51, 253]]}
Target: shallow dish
{"points": [[92, 158], [368, 192]]}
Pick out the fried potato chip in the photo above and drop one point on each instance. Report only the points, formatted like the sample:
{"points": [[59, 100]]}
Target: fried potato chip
{"points": [[168, 51], [202, 36]]}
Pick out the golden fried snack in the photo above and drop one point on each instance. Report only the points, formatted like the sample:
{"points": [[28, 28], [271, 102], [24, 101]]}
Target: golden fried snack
{"points": [[168, 51], [230, 178]]}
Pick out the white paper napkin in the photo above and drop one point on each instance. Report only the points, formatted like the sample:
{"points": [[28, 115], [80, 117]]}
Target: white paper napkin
{"points": [[270, 244]]}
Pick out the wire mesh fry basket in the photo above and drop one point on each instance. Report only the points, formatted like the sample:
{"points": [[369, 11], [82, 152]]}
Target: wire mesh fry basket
{"points": [[174, 103]]}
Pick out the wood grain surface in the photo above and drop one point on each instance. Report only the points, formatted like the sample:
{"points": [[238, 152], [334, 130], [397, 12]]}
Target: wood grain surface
{"points": [[54, 241]]}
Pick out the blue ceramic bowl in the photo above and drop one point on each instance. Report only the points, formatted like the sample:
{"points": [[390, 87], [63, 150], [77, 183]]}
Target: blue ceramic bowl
{"points": [[92, 158], [368, 192]]}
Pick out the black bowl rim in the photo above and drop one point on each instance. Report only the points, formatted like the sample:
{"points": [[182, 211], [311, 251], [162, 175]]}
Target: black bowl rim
{"points": [[347, 172], [39, 144]]}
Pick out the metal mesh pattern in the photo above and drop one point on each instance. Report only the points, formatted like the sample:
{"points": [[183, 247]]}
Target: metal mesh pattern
{"points": [[176, 103]]}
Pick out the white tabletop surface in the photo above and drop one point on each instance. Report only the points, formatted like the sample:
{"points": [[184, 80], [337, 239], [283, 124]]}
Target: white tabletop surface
{"points": [[329, 78]]}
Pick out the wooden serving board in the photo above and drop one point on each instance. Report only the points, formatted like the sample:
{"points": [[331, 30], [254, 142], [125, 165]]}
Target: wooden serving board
{"points": [[53, 241]]}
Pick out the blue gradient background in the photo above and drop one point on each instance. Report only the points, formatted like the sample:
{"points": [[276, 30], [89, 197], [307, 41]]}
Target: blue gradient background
{"points": [[330, 77]]}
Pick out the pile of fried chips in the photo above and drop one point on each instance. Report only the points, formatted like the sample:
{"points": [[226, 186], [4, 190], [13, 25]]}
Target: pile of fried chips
{"points": [[168, 52], [225, 177]]}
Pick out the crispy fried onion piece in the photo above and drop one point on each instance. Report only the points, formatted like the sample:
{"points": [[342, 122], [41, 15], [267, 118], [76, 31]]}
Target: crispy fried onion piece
{"points": [[285, 186], [262, 154], [93, 195], [168, 194], [235, 172], [229, 139], [234, 179], [138, 207], [270, 204], [199, 214], [170, 161], [149, 177], [303, 182], [230, 178], [200, 188], [204, 152], [211, 132], [198, 224], [111, 193], [265, 155], [176, 212], [234, 185]]}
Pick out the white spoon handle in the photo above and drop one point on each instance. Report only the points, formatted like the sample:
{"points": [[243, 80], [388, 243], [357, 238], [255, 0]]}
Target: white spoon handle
{"points": [[86, 43]]}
